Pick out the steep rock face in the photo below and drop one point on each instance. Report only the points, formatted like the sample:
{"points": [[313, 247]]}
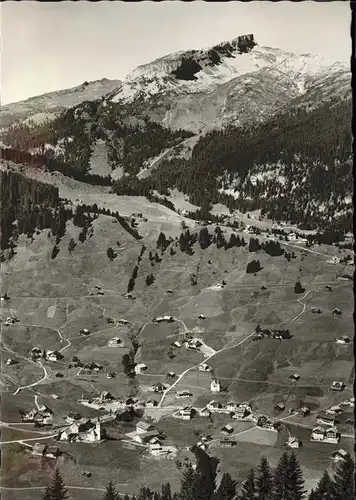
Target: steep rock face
{"points": [[230, 83]]}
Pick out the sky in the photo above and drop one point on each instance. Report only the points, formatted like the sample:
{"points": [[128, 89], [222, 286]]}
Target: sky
{"points": [[52, 46]]}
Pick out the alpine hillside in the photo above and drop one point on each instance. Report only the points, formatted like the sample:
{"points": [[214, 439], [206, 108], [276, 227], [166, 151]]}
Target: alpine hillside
{"points": [[249, 127]]}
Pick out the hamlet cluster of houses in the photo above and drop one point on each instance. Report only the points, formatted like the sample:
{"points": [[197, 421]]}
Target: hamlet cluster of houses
{"points": [[37, 353], [39, 416], [326, 429]]}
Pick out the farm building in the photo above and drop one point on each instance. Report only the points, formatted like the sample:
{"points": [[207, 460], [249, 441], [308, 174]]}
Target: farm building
{"points": [[304, 411], [123, 321], [142, 427], [84, 431], [11, 361], [116, 342], [204, 412], [201, 316], [215, 385], [186, 413], [84, 331], [240, 413], [227, 429], [280, 406], [339, 455], [344, 340], [53, 356], [163, 319], [325, 419], [295, 377], [141, 367], [293, 442], [171, 375], [336, 312], [337, 386], [204, 368], [227, 443], [183, 394], [151, 403], [325, 435], [177, 344], [158, 387]]}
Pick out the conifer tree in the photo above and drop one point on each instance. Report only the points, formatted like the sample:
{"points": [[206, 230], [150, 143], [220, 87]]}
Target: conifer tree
{"points": [[57, 490], [166, 493], [226, 489], [295, 479], [324, 489], [344, 479], [111, 493], [248, 490], [188, 484], [264, 481], [281, 478], [47, 494]]}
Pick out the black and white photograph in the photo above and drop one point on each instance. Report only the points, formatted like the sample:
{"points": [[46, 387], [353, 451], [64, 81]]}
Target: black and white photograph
{"points": [[177, 251]]}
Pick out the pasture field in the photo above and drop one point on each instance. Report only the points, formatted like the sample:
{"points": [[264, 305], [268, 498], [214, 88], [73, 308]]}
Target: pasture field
{"points": [[55, 298]]}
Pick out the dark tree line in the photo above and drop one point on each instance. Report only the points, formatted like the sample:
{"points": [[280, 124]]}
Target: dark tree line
{"points": [[284, 482]]}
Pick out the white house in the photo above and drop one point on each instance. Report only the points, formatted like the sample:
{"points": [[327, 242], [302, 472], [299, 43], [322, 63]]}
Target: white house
{"points": [[141, 367], [84, 431], [339, 455], [215, 385], [142, 427], [53, 356], [204, 368], [344, 340], [183, 394], [116, 342], [293, 442], [337, 385], [186, 413]]}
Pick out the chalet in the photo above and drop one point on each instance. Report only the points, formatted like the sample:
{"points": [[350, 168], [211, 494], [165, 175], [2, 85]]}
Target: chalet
{"points": [[336, 312], [183, 394], [110, 375], [204, 412], [169, 291], [36, 351], [84, 331], [202, 446], [51, 452], [177, 344], [331, 435], [293, 442], [38, 450], [325, 419], [158, 387], [246, 405], [204, 368], [215, 406], [53, 356], [193, 344], [144, 437], [240, 413], [295, 377], [227, 429], [316, 310], [201, 316], [339, 455], [163, 319], [11, 320], [87, 474], [231, 406], [337, 386], [215, 385], [11, 361], [304, 411], [186, 413], [279, 406], [328, 288], [227, 443], [116, 342], [151, 403], [334, 410], [155, 446], [129, 296], [318, 434], [45, 411], [344, 340], [141, 367], [123, 321], [143, 427], [171, 375], [84, 431]]}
